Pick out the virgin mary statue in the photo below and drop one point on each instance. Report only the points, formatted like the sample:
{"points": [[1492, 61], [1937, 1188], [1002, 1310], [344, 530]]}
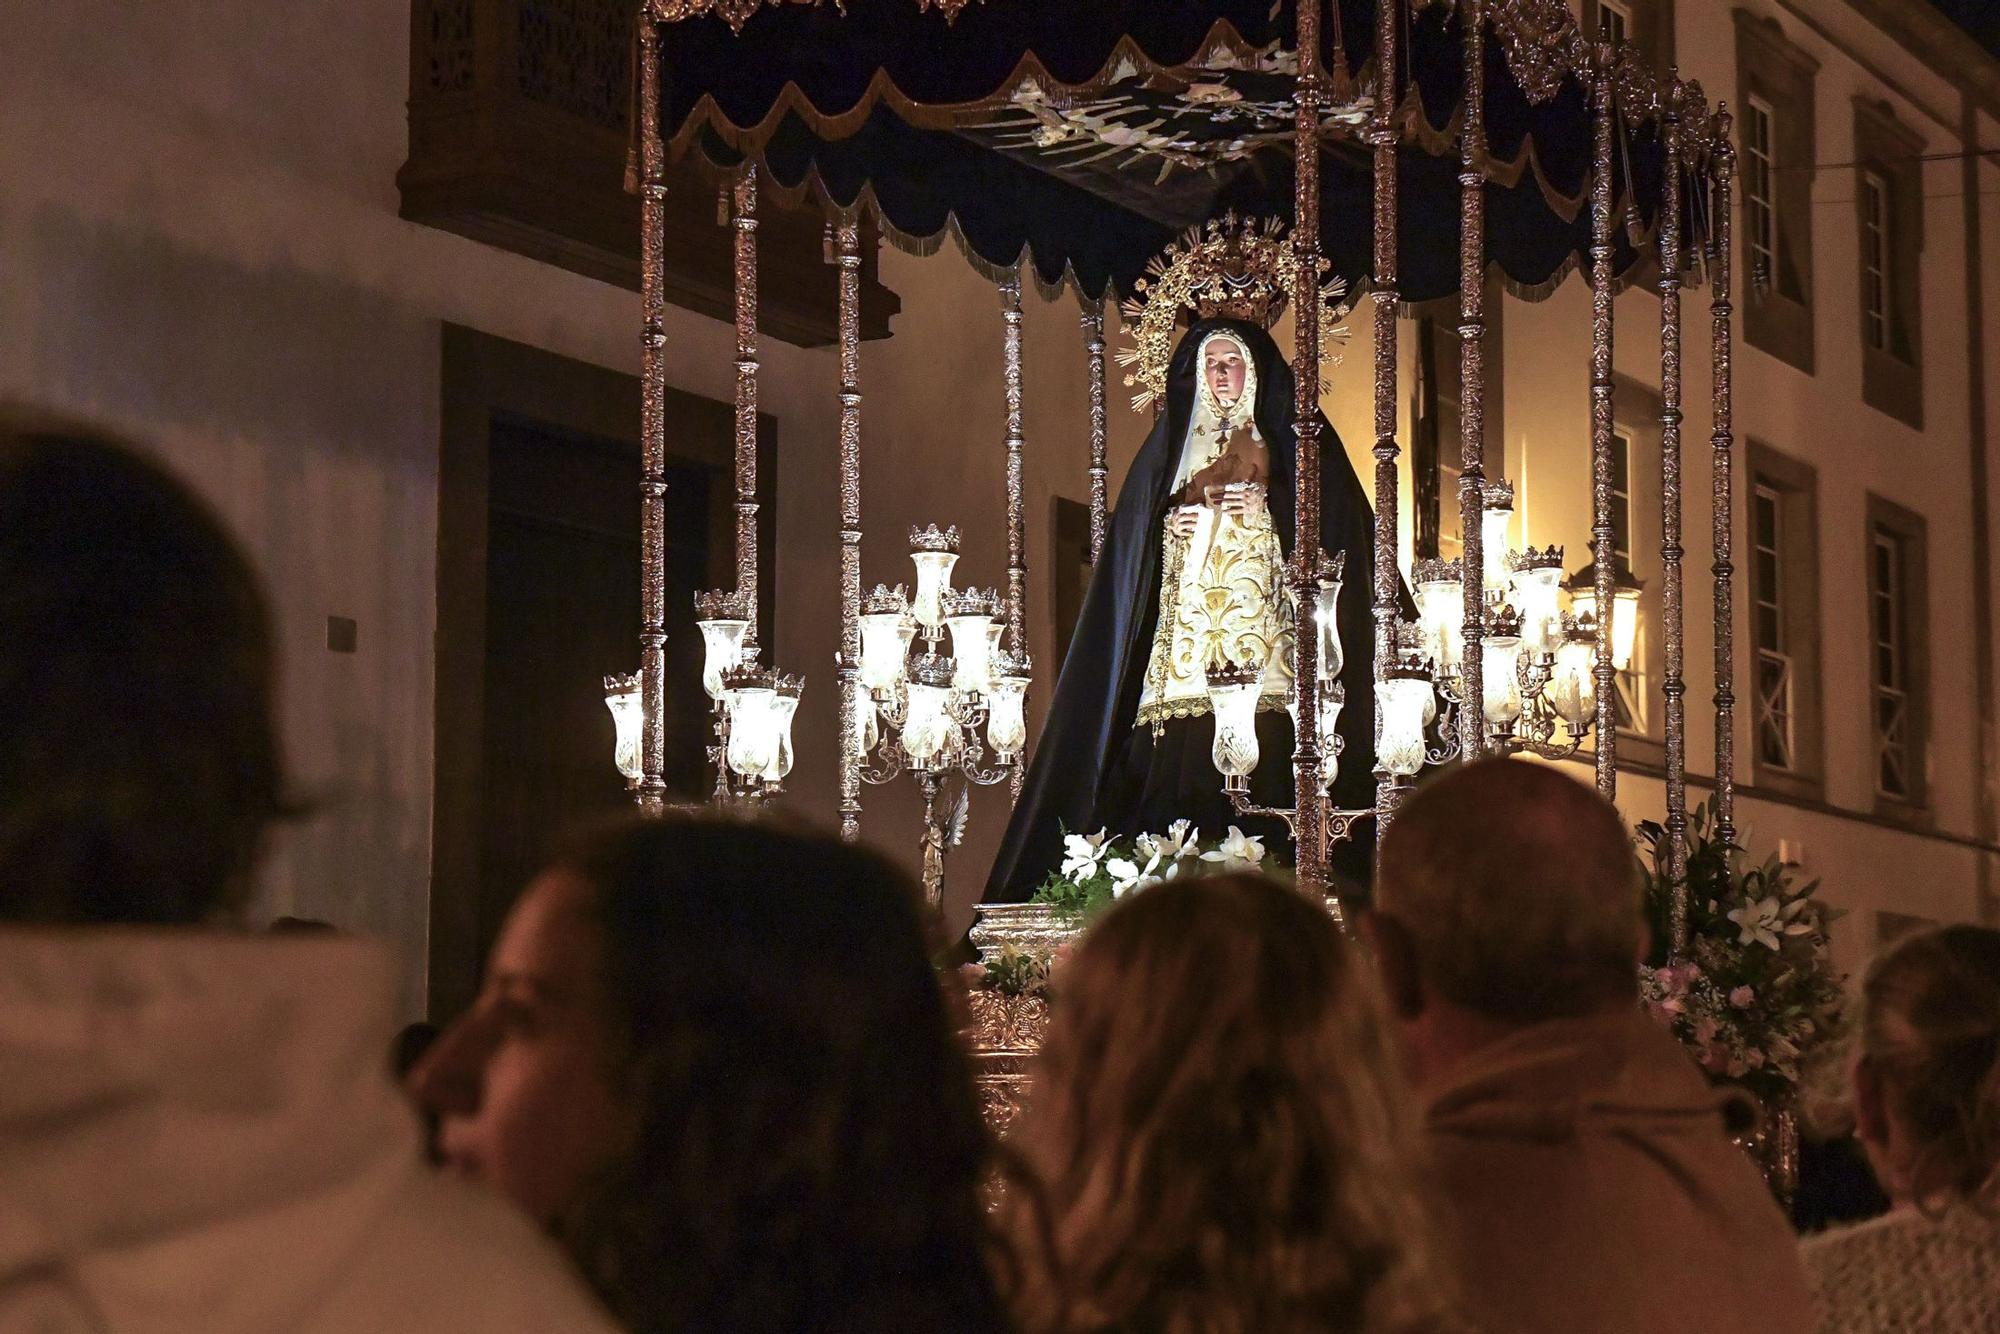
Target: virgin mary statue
{"points": [[1192, 573]]}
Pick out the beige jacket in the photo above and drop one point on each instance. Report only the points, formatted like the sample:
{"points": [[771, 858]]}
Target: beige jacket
{"points": [[1589, 1185], [199, 1135]]}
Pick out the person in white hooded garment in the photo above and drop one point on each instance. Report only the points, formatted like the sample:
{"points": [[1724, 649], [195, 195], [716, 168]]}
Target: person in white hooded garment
{"points": [[199, 1130]]}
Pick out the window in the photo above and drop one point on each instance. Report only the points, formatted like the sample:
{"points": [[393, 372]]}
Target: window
{"points": [[1875, 261], [1897, 657], [1783, 593], [1888, 609], [1760, 205], [1646, 24], [1888, 204], [1777, 145], [1775, 742], [1436, 454], [1616, 20], [1621, 496]]}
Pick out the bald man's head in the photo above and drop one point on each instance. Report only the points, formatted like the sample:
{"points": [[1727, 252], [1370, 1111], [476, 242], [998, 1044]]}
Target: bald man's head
{"points": [[1518, 890]]}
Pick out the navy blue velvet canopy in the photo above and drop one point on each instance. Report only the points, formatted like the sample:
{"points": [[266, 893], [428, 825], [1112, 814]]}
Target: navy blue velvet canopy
{"points": [[1078, 137]]}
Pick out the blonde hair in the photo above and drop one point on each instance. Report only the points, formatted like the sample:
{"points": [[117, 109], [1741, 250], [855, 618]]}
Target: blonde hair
{"points": [[1930, 1032], [1216, 1136]]}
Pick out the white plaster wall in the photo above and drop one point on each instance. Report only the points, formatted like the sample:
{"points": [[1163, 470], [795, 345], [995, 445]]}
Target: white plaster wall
{"points": [[199, 245]]}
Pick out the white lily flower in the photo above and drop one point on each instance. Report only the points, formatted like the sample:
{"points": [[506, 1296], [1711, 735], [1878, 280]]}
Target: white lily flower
{"points": [[1239, 851], [1757, 922], [1179, 841], [1148, 846], [1128, 875], [1082, 853]]}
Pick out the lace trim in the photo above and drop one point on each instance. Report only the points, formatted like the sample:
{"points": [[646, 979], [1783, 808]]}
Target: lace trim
{"points": [[1157, 713]]}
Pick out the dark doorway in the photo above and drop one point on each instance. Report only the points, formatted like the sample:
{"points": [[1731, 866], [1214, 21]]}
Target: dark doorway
{"points": [[538, 599], [562, 602]]}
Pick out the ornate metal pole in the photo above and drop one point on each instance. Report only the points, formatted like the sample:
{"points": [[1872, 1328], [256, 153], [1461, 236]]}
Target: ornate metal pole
{"points": [[1093, 343], [1017, 536], [1673, 688], [744, 215], [1472, 373], [1017, 528], [1722, 444], [1382, 135], [1602, 555], [650, 792], [847, 254], [1307, 756]]}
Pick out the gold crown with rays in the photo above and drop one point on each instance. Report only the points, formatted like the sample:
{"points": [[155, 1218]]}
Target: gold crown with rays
{"points": [[1230, 267]]}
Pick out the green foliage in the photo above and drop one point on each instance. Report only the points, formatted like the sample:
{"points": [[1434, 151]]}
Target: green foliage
{"points": [[1014, 972]]}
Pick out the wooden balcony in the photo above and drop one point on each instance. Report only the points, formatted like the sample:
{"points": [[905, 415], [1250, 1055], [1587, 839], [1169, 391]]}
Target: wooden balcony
{"points": [[519, 123]]}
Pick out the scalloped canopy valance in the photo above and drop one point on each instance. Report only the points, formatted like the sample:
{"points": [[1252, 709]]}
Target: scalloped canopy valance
{"points": [[1078, 137]]}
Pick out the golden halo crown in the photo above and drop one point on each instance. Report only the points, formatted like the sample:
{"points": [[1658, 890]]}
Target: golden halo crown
{"points": [[1228, 267]]}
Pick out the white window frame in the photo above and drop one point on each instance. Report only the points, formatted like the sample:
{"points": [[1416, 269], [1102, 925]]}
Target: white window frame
{"points": [[1760, 192], [1776, 710], [1621, 443], [1891, 715], [1875, 259], [1615, 20]]}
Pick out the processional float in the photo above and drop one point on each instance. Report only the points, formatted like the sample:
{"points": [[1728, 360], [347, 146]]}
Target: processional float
{"points": [[1068, 145]]}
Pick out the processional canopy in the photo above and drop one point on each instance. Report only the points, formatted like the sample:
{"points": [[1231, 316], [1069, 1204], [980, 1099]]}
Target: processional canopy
{"points": [[1076, 142]]}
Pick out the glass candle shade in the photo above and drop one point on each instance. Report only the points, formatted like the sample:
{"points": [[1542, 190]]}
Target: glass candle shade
{"points": [[972, 652], [1441, 614], [628, 714], [784, 704], [1572, 688], [1494, 522], [752, 737], [926, 723], [722, 649], [1408, 706], [1500, 658], [1328, 615], [1006, 721], [867, 723], [1234, 704], [933, 582], [1624, 620], [885, 643], [1536, 597]]}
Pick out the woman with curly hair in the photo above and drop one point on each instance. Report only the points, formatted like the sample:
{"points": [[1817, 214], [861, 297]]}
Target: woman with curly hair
{"points": [[1217, 1135], [714, 1059], [1927, 1109]]}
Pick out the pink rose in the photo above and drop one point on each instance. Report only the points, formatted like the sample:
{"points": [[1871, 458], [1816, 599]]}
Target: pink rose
{"points": [[1741, 997]]}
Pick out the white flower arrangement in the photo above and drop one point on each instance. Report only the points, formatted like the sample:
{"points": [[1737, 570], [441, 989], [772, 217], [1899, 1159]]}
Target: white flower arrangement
{"points": [[1098, 869]]}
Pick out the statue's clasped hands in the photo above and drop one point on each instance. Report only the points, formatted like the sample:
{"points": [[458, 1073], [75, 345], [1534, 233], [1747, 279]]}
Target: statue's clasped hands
{"points": [[1237, 500]]}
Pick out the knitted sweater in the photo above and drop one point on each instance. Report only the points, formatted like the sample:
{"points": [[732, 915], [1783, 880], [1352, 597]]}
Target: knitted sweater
{"points": [[1905, 1271]]}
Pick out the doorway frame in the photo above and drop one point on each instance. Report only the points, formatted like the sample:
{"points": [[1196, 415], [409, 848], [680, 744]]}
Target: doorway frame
{"points": [[481, 375]]}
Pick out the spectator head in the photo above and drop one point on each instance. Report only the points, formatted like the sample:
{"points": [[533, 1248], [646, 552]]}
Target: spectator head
{"points": [[1507, 892], [140, 766], [715, 1058], [1927, 1082], [1217, 1132]]}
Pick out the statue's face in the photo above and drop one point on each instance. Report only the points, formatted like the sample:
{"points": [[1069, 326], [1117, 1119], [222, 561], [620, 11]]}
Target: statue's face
{"points": [[1224, 369]]}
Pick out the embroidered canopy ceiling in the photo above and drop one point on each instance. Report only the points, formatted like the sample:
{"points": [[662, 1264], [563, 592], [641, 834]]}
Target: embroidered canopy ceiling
{"points": [[1081, 136]]}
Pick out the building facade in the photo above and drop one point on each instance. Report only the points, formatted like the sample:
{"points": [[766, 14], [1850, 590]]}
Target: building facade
{"points": [[205, 244]]}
